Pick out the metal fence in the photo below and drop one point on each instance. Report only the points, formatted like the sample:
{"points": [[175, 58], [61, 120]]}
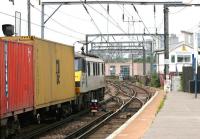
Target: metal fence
{"points": [[187, 77]]}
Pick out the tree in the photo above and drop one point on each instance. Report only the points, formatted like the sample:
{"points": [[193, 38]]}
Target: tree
{"points": [[155, 81]]}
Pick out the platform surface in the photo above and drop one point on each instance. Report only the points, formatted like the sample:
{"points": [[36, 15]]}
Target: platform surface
{"points": [[178, 119], [136, 126]]}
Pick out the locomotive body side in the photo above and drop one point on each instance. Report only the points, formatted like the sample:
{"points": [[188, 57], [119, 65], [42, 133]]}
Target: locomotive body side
{"points": [[89, 78]]}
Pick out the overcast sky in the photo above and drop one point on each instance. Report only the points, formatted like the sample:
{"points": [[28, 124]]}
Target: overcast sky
{"points": [[71, 23]]}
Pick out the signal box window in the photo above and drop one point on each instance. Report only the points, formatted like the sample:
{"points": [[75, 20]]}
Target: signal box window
{"points": [[183, 58], [172, 58]]}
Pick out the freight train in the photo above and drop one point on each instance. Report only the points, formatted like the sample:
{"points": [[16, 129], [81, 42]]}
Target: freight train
{"points": [[37, 80]]}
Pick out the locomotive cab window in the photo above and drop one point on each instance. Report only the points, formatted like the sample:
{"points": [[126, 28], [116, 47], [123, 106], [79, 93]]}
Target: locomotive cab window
{"points": [[80, 64]]}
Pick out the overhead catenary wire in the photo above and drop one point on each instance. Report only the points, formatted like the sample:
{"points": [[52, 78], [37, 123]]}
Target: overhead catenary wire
{"points": [[115, 24], [60, 24], [69, 15], [140, 18], [108, 15], [124, 10], [93, 21], [112, 19], [181, 9], [50, 29], [118, 25], [108, 20], [153, 36], [115, 20]]}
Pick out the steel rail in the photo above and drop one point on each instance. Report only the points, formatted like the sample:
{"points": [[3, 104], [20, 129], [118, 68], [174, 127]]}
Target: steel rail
{"points": [[147, 92], [86, 127], [134, 92], [98, 125], [46, 128]]}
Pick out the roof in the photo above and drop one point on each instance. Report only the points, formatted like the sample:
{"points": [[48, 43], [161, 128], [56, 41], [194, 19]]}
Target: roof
{"points": [[179, 45], [85, 55]]}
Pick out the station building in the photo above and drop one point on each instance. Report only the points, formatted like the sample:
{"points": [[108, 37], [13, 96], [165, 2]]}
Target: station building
{"points": [[125, 68], [179, 56]]}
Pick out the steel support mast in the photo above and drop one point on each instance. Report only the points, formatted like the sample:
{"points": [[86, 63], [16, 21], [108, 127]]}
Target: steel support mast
{"points": [[29, 17], [166, 41]]}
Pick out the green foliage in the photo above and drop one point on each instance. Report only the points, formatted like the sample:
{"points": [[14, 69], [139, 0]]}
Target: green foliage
{"points": [[140, 60], [155, 81], [161, 105]]}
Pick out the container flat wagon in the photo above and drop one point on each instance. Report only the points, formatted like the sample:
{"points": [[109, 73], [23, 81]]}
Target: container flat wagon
{"points": [[36, 78]]}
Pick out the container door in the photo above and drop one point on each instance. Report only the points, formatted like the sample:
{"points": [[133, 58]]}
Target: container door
{"points": [[20, 76]]}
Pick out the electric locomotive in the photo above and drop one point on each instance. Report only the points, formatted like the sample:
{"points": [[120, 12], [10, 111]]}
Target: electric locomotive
{"points": [[89, 78]]}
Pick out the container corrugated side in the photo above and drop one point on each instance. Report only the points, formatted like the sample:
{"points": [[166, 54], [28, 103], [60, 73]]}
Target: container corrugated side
{"points": [[2, 81], [46, 53], [54, 73], [20, 86], [20, 76], [63, 82]]}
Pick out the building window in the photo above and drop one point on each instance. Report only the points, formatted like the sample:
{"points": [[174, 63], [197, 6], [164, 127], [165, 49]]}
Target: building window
{"points": [[112, 70], [172, 58], [183, 58]]}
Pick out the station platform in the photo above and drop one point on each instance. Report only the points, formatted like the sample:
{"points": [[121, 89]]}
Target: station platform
{"points": [[137, 125], [179, 118]]}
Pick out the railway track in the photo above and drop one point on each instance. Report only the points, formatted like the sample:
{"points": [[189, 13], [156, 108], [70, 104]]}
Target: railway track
{"points": [[123, 100], [48, 127], [116, 119], [38, 131]]}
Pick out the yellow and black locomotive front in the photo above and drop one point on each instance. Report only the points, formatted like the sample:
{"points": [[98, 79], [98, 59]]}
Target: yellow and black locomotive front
{"points": [[79, 73]]}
